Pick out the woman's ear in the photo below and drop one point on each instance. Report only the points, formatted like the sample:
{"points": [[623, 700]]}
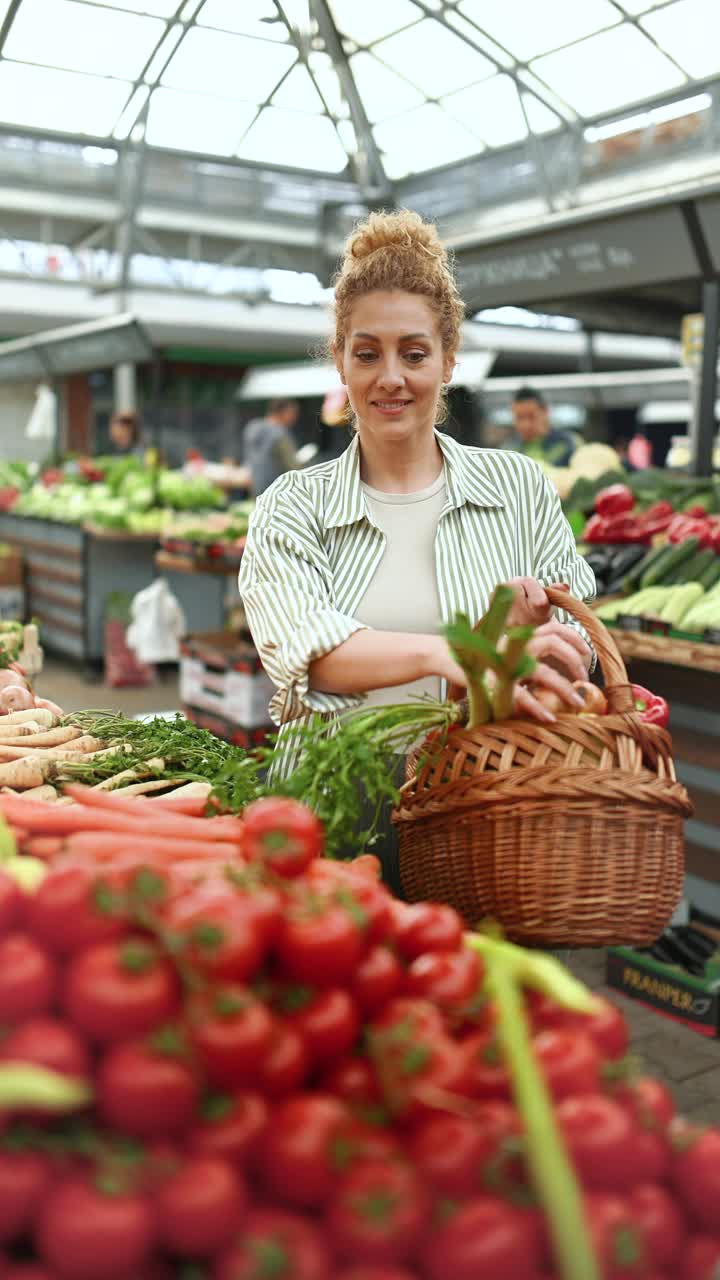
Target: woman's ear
{"points": [[449, 363], [338, 357]]}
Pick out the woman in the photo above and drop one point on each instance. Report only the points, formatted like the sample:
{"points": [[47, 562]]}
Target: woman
{"points": [[352, 566]]}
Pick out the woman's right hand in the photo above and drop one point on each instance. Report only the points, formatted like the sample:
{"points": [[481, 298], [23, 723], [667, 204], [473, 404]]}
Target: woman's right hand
{"points": [[441, 663]]}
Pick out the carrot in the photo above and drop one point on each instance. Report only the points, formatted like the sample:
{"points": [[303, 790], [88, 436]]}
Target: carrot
{"points": [[43, 846], [222, 828], [143, 821], [105, 846]]}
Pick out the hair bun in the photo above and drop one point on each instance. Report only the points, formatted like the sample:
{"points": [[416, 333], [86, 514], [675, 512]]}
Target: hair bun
{"points": [[403, 231]]}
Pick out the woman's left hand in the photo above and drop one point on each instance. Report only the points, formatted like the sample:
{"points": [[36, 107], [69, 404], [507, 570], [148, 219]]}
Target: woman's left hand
{"points": [[532, 607], [562, 648]]}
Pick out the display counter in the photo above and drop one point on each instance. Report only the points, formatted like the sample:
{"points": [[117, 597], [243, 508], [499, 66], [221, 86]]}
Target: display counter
{"points": [[71, 569], [687, 673]]}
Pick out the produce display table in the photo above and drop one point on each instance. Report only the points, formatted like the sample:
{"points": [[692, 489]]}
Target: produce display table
{"points": [[71, 569], [668, 650], [212, 584]]}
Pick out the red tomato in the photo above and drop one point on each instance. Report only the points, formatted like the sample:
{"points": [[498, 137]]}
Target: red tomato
{"points": [[230, 1126], [377, 978], [291, 1245], [25, 1178], [659, 1221], [606, 1027], [460, 1156], [226, 941], [78, 1225], [231, 1030], [303, 1148], [266, 908], [450, 979], [650, 1161], [199, 1208], [27, 1271], [11, 903], [146, 1092], [427, 926], [485, 1239], [649, 1102], [376, 1271], [378, 1213], [569, 1061], [701, 1258], [696, 1176], [408, 1020], [65, 912], [27, 977], [47, 1042], [283, 834], [616, 1238], [285, 1063], [489, 1076], [321, 946], [599, 1135], [354, 1080], [367, 864], [329, 1023], [114, 990]]}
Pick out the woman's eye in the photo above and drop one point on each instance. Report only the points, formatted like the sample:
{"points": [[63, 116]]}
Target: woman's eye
{"points": [[365, 356], [415, 356]]}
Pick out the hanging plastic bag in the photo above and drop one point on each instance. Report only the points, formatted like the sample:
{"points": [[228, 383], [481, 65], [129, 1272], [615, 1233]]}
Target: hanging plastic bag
{"points": [[157, 624], [42, 422]]}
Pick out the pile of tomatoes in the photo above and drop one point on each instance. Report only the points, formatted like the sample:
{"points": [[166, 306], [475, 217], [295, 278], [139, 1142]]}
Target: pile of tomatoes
{"points": [[296, 1077]]}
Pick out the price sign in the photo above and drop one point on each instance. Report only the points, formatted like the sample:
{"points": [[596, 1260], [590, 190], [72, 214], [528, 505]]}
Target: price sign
{"points": [[692, 334], [629, 622]]}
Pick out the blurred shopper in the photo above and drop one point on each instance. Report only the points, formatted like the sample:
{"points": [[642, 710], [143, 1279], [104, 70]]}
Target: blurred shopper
{"points": [[125, 433], [534, 435], [268, 446]]}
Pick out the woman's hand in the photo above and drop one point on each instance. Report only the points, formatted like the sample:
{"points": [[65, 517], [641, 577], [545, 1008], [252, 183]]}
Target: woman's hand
{"points": [[526, 704], [531, 607], [440, 662], [562, 648]]}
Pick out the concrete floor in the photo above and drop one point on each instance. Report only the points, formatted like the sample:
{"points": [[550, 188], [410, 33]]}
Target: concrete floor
{"points": [[686, 1061]]}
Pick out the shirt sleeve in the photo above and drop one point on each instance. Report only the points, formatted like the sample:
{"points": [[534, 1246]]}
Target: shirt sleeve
{"points": [[285, 583], [556, 557]]}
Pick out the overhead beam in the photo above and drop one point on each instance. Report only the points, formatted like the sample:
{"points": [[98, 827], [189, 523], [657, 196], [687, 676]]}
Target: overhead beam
{"points": [[7, 22], [373, 179]]}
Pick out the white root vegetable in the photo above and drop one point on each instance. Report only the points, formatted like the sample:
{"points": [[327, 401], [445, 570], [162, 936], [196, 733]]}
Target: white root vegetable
{"points": [[48, 738], [138, 773], [16, 697], [191, 789], [46, 792], [12, 732], [34, 715], [21, 775], [82, 746], [50, 706]]}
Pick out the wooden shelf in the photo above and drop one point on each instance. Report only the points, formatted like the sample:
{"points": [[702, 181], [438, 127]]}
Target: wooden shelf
{"points": [[677, 653], [170, 563]]}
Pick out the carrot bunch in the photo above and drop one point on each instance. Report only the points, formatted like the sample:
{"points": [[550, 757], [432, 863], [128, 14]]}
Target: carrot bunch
{"points": [[99, 826]]}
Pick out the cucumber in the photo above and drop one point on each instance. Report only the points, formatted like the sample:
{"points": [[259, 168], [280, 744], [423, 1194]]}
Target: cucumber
{"points": [[711, 576], [691, 570], [681, 601], [634, 576], [676, 555]]}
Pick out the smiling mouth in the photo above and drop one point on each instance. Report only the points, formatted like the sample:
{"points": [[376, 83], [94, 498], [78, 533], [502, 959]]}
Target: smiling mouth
{"points": [[391, 404]]}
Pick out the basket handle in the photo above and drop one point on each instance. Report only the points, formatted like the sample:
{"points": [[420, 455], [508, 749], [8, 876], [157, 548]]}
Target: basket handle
{"points": [[617, 687]]}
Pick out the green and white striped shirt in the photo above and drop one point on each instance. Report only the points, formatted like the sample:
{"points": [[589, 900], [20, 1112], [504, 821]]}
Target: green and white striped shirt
{"points": [[313, 548]]}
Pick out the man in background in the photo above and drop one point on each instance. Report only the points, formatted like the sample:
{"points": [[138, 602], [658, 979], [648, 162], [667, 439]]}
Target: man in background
{"points": [[125, 433], [268, 446], [534, 434]]}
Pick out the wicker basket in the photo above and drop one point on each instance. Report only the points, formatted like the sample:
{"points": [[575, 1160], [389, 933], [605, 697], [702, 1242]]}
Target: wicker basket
{"points": [[569, 834]]}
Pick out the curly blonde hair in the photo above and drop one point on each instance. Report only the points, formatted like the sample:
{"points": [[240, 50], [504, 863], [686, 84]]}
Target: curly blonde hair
{"points": [[399, 251]]}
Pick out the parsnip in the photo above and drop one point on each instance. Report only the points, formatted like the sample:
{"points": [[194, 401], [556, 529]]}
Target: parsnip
{"points": [[81, 746], [47, 738], [46, 792], [21, 775], [12, 732], [38, 715]]}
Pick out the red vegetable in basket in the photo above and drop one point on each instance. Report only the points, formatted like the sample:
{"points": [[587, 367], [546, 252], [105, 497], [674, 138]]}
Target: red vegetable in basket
{"points": [[615, 500], [650, 706]]}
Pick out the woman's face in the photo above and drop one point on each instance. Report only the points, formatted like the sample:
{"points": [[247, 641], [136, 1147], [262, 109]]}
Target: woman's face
{"points": [[393, 365]]}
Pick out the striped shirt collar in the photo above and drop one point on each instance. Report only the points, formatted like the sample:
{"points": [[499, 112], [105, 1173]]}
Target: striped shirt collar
{"points": [[346, 501]]}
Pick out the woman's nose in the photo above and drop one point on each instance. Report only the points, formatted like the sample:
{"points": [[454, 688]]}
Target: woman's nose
{"points": [[390, 376]]}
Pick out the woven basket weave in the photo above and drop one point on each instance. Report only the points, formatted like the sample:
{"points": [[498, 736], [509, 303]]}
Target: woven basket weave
{"points": [[569, 834]]}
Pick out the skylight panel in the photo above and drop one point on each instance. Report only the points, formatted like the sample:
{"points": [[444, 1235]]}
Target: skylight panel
{"points": [[690, 30], [491, 110], [299, 141], [258, 18], [156, 8], [384, 93], [228, 65], [423, 139], [528, 28], [43, 98], [298, 93], [608, 71], [365, 23], [81, 37], [324, 73], [433, 58], [193, 122], [542, 119]]}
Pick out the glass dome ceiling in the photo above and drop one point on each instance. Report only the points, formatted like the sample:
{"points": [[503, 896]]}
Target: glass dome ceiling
{"points": [[405, 86]]}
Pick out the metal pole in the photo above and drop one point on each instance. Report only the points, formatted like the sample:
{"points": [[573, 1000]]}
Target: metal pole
{"points": [[124, 389], [702, 435]]}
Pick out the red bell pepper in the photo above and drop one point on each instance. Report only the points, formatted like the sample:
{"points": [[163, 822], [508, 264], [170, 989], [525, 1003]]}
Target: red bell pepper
{"points": [[685, 526], [650, 706], [615, 500], [657, 518], [620, 528]]}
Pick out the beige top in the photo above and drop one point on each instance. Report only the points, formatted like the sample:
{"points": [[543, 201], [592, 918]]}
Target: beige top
{"points": [[403, 593]]}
